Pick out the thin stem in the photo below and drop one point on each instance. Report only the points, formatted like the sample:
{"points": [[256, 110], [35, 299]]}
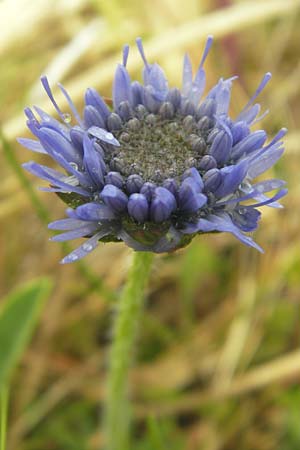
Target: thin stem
{"points": [[125, 328], [3, 417]]}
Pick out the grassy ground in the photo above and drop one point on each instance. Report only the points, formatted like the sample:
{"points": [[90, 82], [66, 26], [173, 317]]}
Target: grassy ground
{"points": [[218, 359]]}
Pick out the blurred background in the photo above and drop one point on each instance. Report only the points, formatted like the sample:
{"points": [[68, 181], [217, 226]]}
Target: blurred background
{"points": [[218, 358]]}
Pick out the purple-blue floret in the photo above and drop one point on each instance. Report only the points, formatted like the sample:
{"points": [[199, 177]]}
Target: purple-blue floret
{"points": [[161, 166]]}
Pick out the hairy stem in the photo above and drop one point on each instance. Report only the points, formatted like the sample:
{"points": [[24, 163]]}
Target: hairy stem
{"points": [[125, 328], [3, 417]]}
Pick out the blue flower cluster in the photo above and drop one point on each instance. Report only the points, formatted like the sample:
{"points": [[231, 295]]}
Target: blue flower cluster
{"points": [[160, 167]]}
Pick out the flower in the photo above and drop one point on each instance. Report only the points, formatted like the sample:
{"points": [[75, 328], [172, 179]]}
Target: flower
{"points": [[159, 168]]}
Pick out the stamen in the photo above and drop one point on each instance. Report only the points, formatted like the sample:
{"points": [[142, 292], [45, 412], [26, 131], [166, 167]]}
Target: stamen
{"points": [[141, 50], [125, 54], [207, 48], [282, 132], [28, 112], [261, 117], [47, 88], [261, 86]]}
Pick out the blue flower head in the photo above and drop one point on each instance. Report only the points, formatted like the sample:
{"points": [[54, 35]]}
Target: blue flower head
{"points": [[161, 166]]}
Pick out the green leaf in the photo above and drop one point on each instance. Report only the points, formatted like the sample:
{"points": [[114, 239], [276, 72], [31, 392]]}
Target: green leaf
{"points": [[18, 317]]}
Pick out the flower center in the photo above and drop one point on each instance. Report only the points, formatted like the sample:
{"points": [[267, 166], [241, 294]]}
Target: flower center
{"points": [[158, 147]]}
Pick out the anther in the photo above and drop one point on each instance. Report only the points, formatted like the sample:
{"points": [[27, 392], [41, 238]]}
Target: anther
{"points": [[174, 96], [166, 110], [151, 119], [125, 137], [141, 111], [134, 124], [117, 164], [190, 162], [204, 124], [189, 123], [198, 144], [125, 110], [207, 162], [212, 135], [114, 122], [187, 108]]}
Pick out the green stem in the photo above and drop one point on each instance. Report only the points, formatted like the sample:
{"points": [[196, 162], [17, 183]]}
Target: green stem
{"points": [[3, 417], [125, 328]]}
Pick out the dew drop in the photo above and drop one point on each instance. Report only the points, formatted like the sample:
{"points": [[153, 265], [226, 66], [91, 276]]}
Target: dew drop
{"points": [[72, 257], [67, 117], [87, 247], [74, 165], [109, 136]]}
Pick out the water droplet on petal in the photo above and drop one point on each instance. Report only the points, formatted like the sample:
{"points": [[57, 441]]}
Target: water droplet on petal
{"points": [[74, 165], [109, 136], [72, 257], [67, 117], [87, 247]]}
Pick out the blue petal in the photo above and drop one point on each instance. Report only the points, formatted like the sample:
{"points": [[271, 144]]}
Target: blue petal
{"points": [[93, 162], [53, 142], [114, 178], [224, 223], [250, 114], [246, 218], [162, 205], [249, 144], [232, 176], [195, 175], [121, 87], [95, 212], [137, 93], [114, 198], [85, 230], [190, 200], [264, 161], [104, 135], [92, 117], [149, 100], [49, 122], [76, 135], [148, 190], [187, 75], [239, 131], [203, 225], [86, 247], [267, 201], [31, 144], [171, 185], [212, 180], [155, 77], [138, 207], [66, 224], [221, 146], [53, 177], [94, 99], [207, 108], [134, 183]]}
